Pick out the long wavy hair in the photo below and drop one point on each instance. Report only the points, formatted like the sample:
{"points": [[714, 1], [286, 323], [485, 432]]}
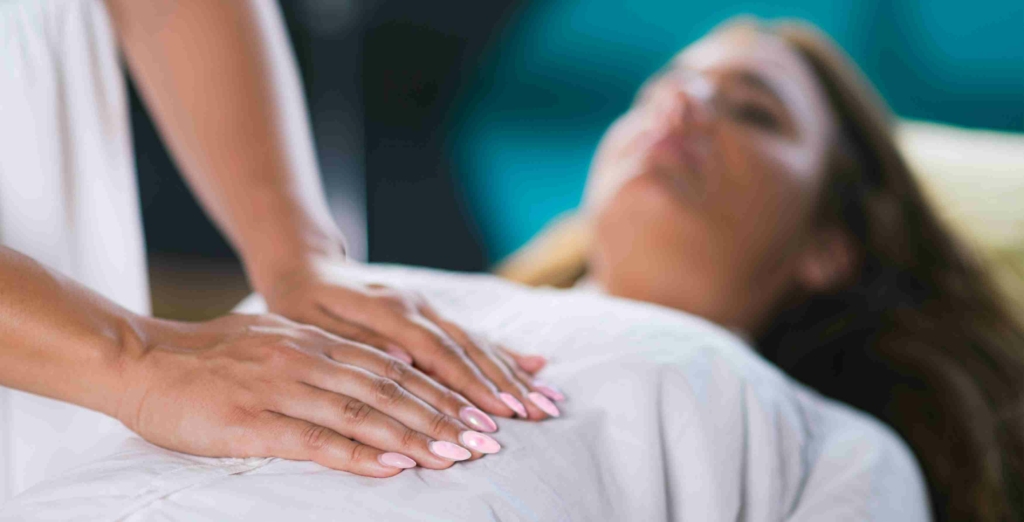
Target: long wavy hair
{"points": [[921, 337]]}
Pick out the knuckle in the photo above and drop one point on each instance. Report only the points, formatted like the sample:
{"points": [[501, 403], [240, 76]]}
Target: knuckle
{"points": [[453, 346], [448, 396], [356, 412], [279, 350], [315, 438], [439, 424], [396, 304], [358, 453], [440, 342], [396, 370], [409, 439], [388, 391]]}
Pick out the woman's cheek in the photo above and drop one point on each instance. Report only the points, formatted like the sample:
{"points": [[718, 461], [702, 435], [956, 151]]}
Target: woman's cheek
{"points": [[615, 161]]}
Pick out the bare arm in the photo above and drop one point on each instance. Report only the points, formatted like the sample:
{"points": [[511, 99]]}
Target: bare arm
{"points": [[238, 386], [220, 80], [60, 340]]}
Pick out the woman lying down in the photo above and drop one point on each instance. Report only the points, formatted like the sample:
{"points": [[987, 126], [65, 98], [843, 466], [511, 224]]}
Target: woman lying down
{"points": [[769, 241]]}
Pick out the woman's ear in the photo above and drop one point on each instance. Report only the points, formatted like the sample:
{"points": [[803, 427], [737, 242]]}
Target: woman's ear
{"points": [[827, 261]]}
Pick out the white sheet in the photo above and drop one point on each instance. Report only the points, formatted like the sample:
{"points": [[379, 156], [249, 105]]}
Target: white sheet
{"points": [[68, 199], [668, 418]]}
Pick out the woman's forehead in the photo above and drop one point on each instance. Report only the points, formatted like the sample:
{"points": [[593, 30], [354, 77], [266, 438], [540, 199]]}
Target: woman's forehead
{"points": [[767, 56]]}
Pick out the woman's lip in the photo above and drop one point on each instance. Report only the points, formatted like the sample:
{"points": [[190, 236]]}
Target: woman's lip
{"points": [[670, 158], [677, 153]]}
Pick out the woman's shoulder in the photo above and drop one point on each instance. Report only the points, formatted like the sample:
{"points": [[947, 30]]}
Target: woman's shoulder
{"points": [[861, 469]]}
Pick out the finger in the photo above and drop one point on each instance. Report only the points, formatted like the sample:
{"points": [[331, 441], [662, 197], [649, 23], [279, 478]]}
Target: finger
{"points": [[527, 362], [416, 382], [390, 398], [296, 439], [537, 405], [549, 390], [346, 329], [435, 353], [361, 422]]}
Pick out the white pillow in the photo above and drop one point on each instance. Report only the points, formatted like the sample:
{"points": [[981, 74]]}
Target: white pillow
{"points": [[975, 178]]}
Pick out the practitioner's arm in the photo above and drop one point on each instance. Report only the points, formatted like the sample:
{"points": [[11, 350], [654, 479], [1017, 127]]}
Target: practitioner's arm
{"points": [[222, 84], [238, 386]]}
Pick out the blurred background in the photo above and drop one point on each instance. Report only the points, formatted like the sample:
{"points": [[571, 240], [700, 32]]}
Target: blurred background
{"points": [[450, 132]]}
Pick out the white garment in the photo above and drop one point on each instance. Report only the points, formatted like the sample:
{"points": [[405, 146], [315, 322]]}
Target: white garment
{"points": [[668, 417], [68, 199]]}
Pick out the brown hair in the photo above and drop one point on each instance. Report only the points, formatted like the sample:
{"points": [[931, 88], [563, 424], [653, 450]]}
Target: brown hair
{"points": [[921, 338]]}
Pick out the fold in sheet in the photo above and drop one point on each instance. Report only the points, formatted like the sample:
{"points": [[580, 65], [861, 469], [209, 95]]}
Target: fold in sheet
{"points": [[667, 417]]}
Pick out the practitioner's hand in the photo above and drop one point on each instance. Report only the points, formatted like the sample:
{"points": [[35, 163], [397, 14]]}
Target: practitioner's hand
{"points": [[261, 385], [403, 325]]}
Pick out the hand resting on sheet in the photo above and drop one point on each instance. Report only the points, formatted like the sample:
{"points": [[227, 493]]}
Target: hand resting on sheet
{"points": [[669, 417], [237, 386], [261, 385]]}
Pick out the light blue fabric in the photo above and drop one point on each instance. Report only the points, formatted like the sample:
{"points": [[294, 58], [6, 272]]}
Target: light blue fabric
{"points": [[564, 69]]}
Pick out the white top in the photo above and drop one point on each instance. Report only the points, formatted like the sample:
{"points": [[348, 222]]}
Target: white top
{"points": [[668, 417], [68, 198]]}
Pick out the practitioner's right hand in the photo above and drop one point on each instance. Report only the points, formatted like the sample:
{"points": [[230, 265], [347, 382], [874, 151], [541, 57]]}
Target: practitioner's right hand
{"points": [[261, 385]]}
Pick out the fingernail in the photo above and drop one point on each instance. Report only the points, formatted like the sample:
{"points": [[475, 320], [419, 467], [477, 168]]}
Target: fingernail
{"points": [[396, 460], [398, 353], [479, 442], [513, 403], [544, 404], [549, 391], [449, 451], [478, 419]]}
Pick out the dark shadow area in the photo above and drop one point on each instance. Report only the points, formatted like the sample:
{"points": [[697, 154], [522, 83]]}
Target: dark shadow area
{"points": [[380, 78]]}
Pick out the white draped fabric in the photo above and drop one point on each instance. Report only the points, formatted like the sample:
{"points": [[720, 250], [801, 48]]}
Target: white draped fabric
{"points": [[68, 199], [668, 418]]}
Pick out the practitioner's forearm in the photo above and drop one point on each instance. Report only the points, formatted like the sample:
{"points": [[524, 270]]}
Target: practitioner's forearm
{"points": [[235, 386], [219, 77], [59, 339], [221, 81]]}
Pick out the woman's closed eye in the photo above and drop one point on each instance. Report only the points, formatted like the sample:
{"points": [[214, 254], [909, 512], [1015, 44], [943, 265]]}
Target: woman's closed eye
{"points": [[756, 115]]}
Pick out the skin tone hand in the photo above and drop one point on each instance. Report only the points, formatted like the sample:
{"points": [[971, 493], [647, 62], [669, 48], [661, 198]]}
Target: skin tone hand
{"points": [[237, 386], [222, 86], [415, 333]]}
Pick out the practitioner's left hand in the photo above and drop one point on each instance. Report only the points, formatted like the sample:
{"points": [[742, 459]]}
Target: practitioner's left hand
{"points": [[402, 324]]}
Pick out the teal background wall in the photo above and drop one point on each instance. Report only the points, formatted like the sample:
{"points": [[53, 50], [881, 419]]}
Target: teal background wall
{"points": [[526, 125]]}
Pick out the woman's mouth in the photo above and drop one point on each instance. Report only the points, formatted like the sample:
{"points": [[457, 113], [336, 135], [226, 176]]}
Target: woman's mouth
{"points": [[680, 167]]}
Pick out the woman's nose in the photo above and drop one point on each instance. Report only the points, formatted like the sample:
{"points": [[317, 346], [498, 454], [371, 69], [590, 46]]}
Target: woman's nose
{"points": [[686, 101]]}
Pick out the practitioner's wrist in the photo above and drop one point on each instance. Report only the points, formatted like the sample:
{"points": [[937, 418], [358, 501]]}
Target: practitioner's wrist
{"points": [[105, 375], [126, 375], [274, 279], [281, 263]]}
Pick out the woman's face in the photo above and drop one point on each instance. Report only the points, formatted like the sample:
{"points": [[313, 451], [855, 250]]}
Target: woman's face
{"points": [[703, 193]]}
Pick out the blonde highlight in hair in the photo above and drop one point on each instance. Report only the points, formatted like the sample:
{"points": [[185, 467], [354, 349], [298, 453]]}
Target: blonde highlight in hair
{"points": [[922, 338]]}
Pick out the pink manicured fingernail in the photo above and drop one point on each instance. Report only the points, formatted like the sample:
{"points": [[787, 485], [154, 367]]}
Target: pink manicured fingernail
{"points": [[479, 442], [513, 403], [550, 391], [478, 419], [544, 404], [449, 451], [399, 354], [396, 460]]}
